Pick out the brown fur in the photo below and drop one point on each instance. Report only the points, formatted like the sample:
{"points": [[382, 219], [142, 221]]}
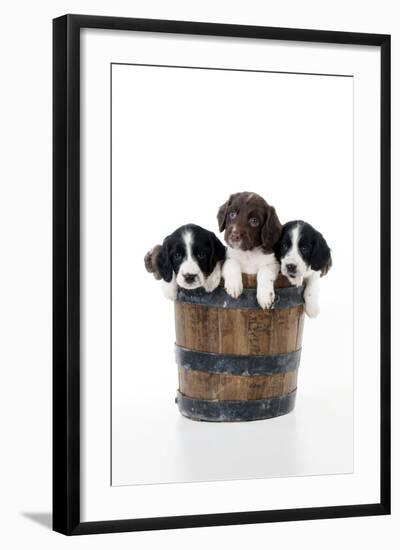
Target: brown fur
{"points": [[327, 267], [150, 261], [249, 205]]}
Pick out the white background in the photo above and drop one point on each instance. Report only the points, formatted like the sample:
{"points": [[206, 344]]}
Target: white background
{"points": [[183, 141], [26, 297]]}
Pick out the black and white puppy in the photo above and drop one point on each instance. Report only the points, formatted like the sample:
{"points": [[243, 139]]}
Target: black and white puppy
{"points": [[305, 257], [190, 258]]}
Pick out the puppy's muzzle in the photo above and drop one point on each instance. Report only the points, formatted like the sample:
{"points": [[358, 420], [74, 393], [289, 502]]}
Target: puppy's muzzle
{"points": [[235, 238], [189, 278], [291, 269]]}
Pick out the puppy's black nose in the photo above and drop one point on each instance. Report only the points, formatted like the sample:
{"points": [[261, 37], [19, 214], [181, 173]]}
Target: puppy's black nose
{"points": [[292, 268], [189, 278]]}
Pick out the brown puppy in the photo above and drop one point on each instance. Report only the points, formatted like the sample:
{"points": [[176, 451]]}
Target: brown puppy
{"points": [[252, 228]]}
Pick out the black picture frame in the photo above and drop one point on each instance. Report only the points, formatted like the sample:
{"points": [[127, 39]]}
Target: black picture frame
{"points": [[66, 273]]}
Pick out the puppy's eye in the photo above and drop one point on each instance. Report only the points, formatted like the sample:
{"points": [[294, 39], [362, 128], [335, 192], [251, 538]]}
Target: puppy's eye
{"points": [[254, 222], [304, 248], [177, 256], [284, 246], [232, 214], [201, 254]]}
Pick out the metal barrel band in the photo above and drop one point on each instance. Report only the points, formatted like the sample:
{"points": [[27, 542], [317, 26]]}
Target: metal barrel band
{"points": [[284, 298], [235, 411], [241, 365]]}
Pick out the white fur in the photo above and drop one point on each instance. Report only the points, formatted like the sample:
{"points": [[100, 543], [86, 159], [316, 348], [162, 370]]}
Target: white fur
{"points": [[311, 294], [304, 274], [265, 285], [169, 289], [212, 281], [250, 261], [190, 265], [253, 262], [232, 275]]}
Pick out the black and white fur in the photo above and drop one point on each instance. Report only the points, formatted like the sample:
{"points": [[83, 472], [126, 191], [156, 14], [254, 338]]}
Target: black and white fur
{"points": [[191, 257], [305, 257]]}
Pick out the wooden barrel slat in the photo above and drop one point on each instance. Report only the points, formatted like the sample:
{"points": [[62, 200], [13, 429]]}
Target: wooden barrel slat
{"points": [[300, 327], [237, 331], [214, 410], [250, 281], [237, 362], [205, 385]]}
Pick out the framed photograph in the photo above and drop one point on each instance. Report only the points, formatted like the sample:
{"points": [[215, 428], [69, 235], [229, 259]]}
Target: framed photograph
{"points": [[248, 170]]}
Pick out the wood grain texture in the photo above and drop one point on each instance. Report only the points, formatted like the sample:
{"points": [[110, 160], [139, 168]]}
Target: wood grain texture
{"points": [[243, 332], [238, 331], [225, 387], [250, 281]]}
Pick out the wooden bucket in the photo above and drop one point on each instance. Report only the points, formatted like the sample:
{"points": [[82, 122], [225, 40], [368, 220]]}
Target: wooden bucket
{"points": [[237, 362]]}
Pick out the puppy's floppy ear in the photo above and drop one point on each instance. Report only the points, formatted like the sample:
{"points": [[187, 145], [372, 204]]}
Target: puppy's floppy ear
{"points": [[277, 246], [218, 250], [321, 254], [163, 262], [222, 213], [271, 230]]}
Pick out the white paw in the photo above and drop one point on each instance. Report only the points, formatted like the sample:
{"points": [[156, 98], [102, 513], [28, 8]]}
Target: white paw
{"points": [[311, 307], [213, 279], [234, 286], [169, 290], [265, 298], [298, 282]]}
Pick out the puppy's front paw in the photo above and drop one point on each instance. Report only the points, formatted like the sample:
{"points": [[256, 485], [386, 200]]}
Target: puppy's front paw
{"points": [[311, 307], [234, 286], [169, 290], [265, 298]]}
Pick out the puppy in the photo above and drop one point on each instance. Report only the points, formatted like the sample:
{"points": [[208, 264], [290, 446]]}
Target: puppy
{"points": [[190, 258], [252, 228], [304, 257]]}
